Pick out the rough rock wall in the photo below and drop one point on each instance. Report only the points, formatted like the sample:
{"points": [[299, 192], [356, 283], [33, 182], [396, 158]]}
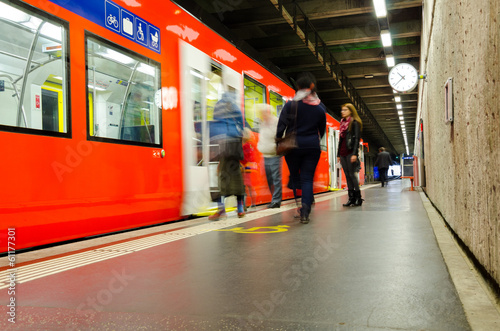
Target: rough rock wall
{"points": [[460, 39]]}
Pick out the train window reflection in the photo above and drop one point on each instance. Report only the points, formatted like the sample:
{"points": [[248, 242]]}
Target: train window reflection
{"points": [[255, 93], [33, 71], [276, 101], [123, 91]]}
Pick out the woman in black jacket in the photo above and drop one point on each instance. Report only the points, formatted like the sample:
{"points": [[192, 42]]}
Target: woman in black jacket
{"points": [[307, 115], [347, 155]]}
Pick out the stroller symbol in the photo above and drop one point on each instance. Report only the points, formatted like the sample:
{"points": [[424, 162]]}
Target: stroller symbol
{"points": [[154, 39]]}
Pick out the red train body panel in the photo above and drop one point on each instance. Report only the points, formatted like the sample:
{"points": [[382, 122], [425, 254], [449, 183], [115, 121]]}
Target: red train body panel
{"points": [[58, 188]]}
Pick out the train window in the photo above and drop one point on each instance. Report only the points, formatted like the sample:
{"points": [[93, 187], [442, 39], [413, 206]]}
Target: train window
{"points": [[276, 101], [255, 93], [123, 95], [33, 71], [215, 89]]}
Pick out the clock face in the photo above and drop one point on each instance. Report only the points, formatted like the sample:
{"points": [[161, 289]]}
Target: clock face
{"points": [[403, 77]]}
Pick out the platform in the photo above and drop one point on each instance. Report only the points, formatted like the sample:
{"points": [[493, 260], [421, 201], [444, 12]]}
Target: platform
{"points": [[374, 267]]}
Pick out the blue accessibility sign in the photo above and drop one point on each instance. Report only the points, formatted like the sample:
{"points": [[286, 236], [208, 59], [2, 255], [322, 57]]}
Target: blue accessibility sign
{"points": [[118, 19]]}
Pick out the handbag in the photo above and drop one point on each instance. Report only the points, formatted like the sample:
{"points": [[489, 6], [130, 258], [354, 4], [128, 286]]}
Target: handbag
{"points": [[289, 141]]}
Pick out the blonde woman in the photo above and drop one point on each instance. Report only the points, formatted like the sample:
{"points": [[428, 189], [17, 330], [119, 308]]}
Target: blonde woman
{"points": [[347, 155]]}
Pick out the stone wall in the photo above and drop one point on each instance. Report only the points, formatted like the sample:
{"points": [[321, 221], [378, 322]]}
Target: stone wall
{"points": [[460, 39]]}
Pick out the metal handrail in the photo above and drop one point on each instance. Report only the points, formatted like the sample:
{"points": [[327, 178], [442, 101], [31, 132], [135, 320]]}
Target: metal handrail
{"points": [[11, 80], [20, 108], [336, 72]]}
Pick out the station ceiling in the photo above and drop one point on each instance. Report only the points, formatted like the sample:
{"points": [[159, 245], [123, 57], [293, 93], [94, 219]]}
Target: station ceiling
{"points": [[339, 42]]}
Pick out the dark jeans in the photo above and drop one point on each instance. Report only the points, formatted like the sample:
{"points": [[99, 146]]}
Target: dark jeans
{"points": [[351, 175], [382, 172], [302, 165]]}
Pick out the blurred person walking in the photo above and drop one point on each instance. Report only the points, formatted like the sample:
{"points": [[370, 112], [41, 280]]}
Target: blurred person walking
{"points": [[272, 161], [383, 162], [347, 155], [307, 115], [226, 130], [249, 164]]}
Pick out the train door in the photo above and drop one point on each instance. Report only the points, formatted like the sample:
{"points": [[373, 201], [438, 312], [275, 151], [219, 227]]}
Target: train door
{"points": [[203, 83], [361, 172], [195, 67], [332, 157]]}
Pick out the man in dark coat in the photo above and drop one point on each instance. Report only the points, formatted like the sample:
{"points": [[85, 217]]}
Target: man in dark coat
{"points": [[383, 162]]}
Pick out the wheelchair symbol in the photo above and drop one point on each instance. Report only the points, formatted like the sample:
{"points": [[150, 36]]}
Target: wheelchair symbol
{"points": [[140, 33], [259, 229]]}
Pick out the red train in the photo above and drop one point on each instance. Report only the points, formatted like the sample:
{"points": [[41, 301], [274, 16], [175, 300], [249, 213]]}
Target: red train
{"points": [[105, 114]]}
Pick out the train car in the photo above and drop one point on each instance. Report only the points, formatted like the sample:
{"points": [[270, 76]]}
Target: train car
{"points": [[106, 107]]}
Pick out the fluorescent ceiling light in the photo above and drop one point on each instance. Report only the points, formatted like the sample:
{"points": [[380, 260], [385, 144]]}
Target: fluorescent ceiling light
{"points": [[114, 55], [33, 23], [13, 14], [380, 9], [400, 112], [146, 69], [96, 88], [386, 38], [401, 118], [402, 122], [51, 31], [390, 61], [399, 106], [397, 99]]}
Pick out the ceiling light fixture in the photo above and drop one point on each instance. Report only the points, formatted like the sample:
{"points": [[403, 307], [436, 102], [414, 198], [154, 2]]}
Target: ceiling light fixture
{"points": [[397, 99], [390, 61], [399, 106], [380, 9], [385, 35]]}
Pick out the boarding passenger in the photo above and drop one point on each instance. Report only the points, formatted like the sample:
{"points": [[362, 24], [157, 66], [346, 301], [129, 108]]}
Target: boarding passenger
{"points": [[383, 162], [226, 130], [307, 115], [347, 155], [272, 161], [248, 164]]}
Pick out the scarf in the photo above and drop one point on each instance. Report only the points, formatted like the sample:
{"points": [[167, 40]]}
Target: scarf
{"points": [[344, 126], [307, 96]]}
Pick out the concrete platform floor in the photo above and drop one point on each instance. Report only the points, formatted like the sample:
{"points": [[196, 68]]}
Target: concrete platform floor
{"points": [[374, 267]]}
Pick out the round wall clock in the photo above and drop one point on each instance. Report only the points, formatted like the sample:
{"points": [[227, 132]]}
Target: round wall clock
{"points": [[403, 77]]}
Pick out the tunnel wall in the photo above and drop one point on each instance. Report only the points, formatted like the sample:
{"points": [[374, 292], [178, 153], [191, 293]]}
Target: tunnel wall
{"points": [[460, 39]]}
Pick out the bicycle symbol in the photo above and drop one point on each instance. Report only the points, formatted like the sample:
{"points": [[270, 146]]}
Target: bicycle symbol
{"points": [[112, 20]]}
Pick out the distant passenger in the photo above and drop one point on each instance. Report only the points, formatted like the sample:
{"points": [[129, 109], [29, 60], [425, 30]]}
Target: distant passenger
{"points": [[267, 146], [347, 155], [383, 162], [310, 127], [226, 130]]}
